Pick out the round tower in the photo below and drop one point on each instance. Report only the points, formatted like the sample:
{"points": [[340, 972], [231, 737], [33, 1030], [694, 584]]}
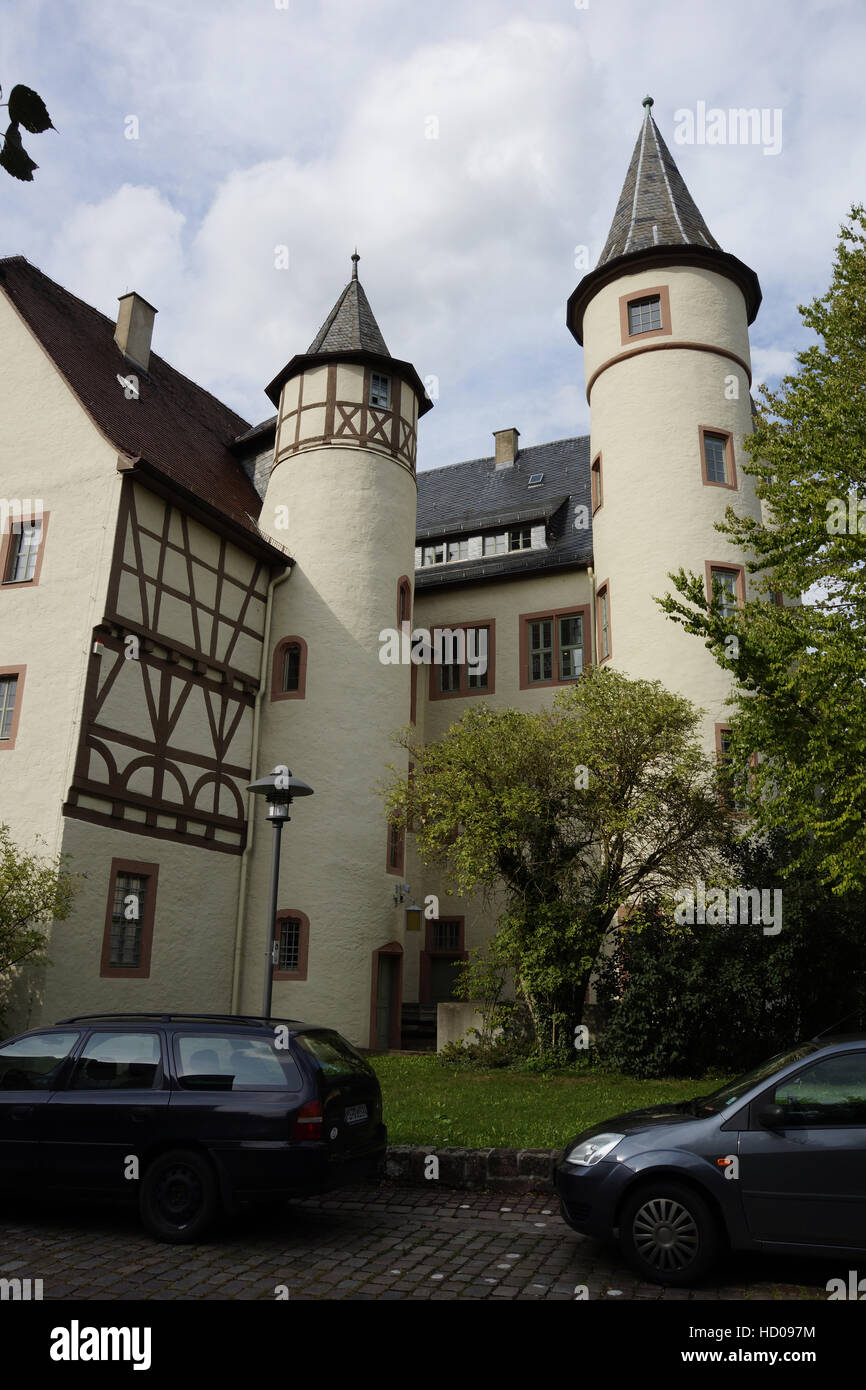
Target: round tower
{"points": [[663, 320], [341, 498]]}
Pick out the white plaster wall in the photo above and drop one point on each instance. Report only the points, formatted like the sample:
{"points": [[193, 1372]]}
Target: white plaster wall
{"points": [[351, 533], [658, 514]]}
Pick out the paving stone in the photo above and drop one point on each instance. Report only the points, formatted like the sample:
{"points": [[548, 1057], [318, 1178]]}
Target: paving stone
{"points": [[344, 1246]]}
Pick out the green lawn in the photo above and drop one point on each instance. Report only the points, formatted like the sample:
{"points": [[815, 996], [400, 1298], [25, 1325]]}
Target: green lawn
{"points": [[428, 1104]]}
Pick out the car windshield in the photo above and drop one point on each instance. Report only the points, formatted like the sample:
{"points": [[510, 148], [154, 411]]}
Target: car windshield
{"points": [[735, 1090]]}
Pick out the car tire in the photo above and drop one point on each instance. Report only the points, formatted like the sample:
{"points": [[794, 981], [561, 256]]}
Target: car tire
{"points": [[669, 1234], [179, 1197]]}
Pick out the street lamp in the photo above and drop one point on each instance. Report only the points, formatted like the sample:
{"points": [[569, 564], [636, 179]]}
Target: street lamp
{"points": [[280, 788]]}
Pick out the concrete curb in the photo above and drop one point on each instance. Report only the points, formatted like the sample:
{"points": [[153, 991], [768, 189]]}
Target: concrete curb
{"points": [[502, 1170]]}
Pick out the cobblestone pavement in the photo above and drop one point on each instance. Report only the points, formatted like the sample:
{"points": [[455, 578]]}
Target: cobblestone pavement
{"points": [[372, 1242]]}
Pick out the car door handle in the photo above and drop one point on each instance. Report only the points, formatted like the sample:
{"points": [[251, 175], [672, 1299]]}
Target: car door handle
{"points": [[139, 1116], [20, 1112]]}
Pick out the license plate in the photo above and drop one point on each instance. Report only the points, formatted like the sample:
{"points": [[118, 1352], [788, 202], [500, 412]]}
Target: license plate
{"points": [[354, 1114]]}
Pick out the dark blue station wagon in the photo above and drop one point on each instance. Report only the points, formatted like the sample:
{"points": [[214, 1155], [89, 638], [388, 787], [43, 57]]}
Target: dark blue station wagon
{"points": [[190, 1113]]}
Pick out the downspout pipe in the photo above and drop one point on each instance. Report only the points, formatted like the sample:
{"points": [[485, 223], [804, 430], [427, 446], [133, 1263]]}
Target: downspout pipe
{"points": [[251, 819]]}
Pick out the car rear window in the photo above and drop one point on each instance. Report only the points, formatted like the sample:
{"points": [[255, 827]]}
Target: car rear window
{"points": [[29, 1064], [234, 1062], [335, 1056]]}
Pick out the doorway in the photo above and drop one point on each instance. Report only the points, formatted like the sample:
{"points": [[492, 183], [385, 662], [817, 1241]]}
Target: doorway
{"points": [[387, 997]]}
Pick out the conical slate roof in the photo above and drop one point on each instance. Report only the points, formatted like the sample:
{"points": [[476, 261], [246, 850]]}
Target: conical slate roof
{"points": [[657, 223], [350, 326], [351, 333], [655, 208]]}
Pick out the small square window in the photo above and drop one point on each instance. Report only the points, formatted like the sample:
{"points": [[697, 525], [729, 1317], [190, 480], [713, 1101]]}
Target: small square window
{"points": [[446, 936], [645, 315], [536, 479], [380, 391]]}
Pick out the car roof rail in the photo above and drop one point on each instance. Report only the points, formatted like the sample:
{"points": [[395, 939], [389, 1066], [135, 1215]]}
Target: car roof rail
{"points": [[160, 1016]]}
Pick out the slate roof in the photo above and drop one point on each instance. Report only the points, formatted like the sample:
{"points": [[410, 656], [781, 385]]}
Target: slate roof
{"points": [[655, 208], [467, 498], [657, 222], [351, 325], [181, 430], [350, 333]]}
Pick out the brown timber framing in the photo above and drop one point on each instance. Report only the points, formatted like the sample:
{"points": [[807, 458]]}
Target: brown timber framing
{"points": [[226, 692]]}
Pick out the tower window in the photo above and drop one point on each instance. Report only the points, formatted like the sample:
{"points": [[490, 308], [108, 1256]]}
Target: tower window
{"points": [[291, 667], [596, 484], [404, 600], [396, 848], [731, 579], [644, 315], [717, 458], [8, 699], [380, 391], [602, 600]]}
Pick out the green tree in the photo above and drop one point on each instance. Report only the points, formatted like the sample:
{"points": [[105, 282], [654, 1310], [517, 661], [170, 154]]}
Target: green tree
{"points": [[799, 672], [602, 799], [690, 1000], [34, 891]]}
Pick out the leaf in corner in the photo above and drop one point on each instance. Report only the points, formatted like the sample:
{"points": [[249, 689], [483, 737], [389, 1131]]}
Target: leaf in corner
{"points": [[28, 109], [14, 158]]}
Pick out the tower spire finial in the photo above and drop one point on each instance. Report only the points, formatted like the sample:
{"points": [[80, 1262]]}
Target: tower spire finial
{"points": [[647, 102], [355, 260]]}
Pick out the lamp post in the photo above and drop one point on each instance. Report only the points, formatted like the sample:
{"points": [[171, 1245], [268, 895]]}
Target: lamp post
{"points": [[280, 788]]}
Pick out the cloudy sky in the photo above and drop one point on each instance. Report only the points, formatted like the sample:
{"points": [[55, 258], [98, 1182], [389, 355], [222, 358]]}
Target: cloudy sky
{"points": [[290, 123]]}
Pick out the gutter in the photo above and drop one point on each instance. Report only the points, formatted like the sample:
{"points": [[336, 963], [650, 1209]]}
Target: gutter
{"points": [[264, 685]]}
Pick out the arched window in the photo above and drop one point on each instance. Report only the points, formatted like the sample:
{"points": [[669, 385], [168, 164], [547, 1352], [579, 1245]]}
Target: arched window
{"points": [[289, 671], [292, 940], [404, 600]]}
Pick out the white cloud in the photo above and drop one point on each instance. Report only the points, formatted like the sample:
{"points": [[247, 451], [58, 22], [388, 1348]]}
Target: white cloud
{"points": [[306, 126], [129, 241]]}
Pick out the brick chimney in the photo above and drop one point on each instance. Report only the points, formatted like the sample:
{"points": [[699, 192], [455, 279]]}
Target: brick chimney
{"points": [[135, 328], [506, 447]]}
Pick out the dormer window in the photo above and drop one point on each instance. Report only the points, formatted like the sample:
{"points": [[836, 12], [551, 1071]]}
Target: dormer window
{"points": [[380, 391], [520, 538]]}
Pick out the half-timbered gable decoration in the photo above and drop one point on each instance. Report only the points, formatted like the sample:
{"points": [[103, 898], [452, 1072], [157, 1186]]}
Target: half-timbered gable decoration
{"points": [[167, 730]]}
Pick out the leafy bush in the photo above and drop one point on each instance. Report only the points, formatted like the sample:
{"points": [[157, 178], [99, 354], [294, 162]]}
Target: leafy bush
{"points": [[685, 1000]]}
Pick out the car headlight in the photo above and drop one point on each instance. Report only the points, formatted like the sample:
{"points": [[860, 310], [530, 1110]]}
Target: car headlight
{"points": [[593, 1150]]}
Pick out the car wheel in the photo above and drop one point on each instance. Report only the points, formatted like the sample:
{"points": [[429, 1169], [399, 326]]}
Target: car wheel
{"points": [[669, 1234], [179, 1196]]}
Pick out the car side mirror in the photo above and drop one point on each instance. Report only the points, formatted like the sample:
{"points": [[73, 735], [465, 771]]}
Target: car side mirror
{"points": [[771, 1116]]}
